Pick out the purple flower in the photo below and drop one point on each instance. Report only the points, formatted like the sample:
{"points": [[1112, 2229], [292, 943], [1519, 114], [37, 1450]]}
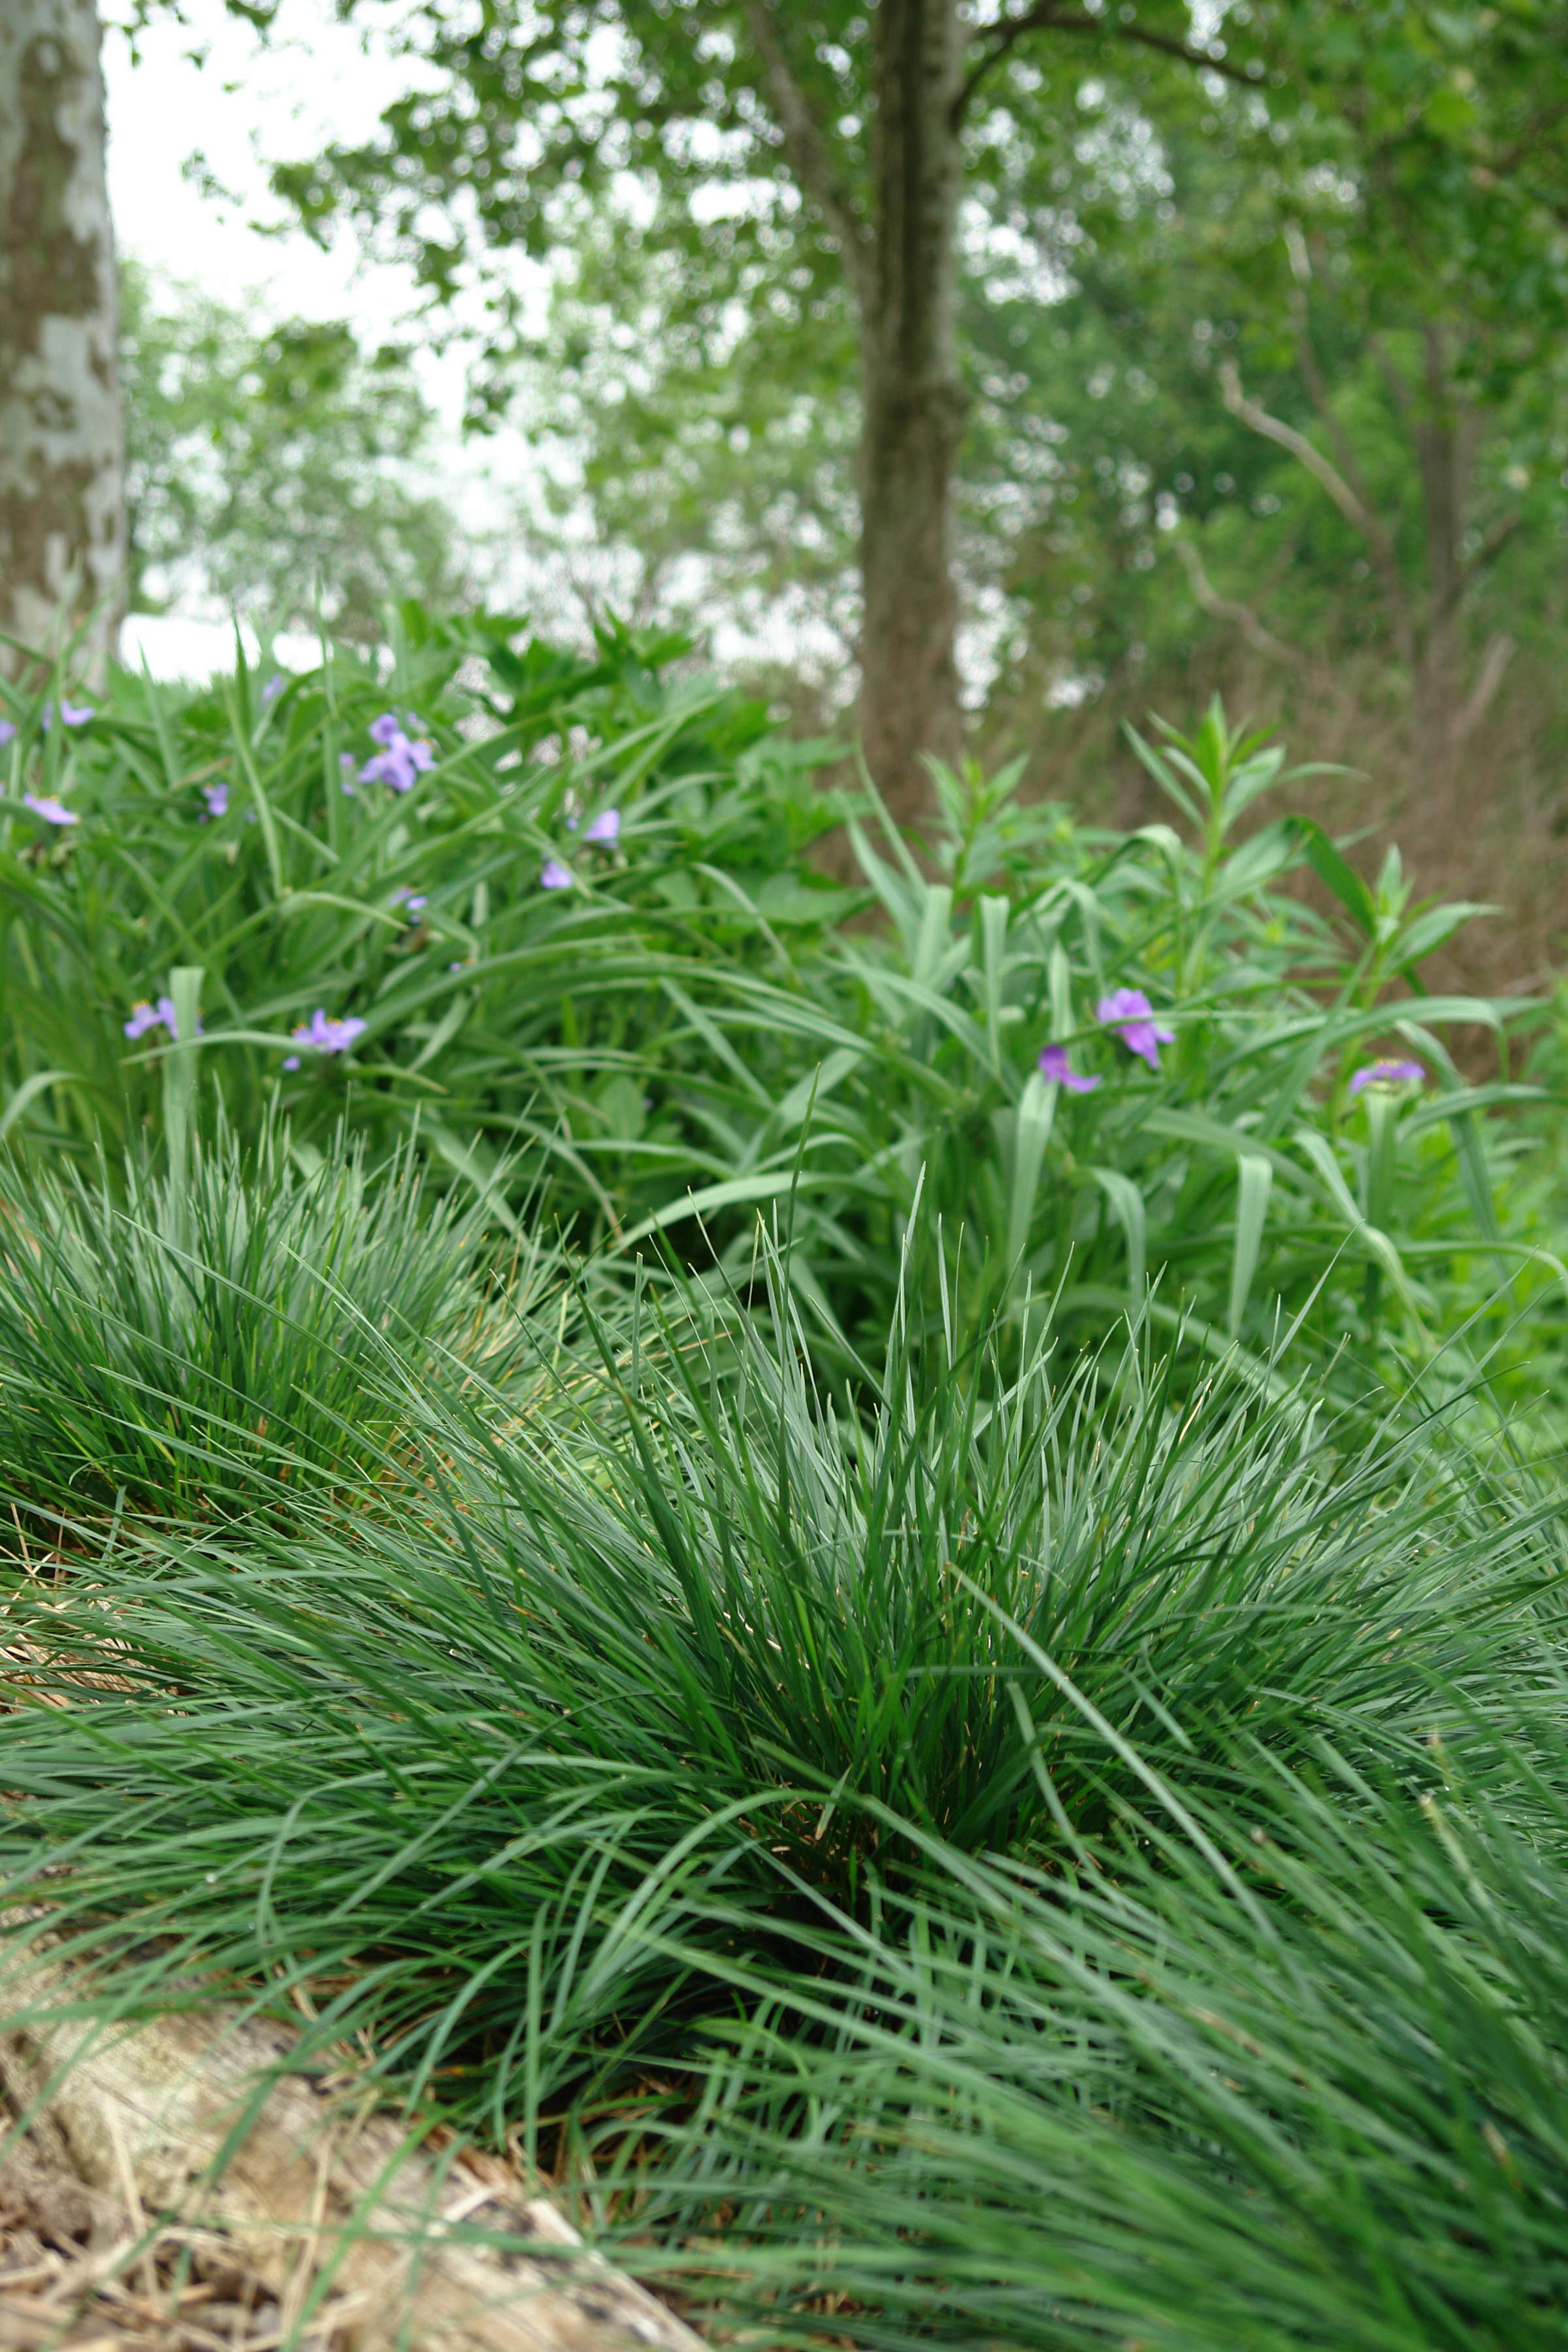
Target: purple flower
{"points": [[145, 1016], [273, 688], [1385, 1073], [1130, 1015], [216, 799], [400, 763], [386, 729], [290, 1061], [52, 811], [406, 895], [553, 875], [72, 714], [161, 1016], [6, 731], [1055, 1068], [605, 827], [328, 1036]]}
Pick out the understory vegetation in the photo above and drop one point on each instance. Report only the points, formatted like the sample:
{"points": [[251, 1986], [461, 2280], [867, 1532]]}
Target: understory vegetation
{"points": [[876, 1571]]}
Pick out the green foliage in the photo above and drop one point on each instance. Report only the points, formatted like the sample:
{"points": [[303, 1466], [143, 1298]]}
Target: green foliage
{"points": [[201, 1344], [676, 1037], [1280, 2068], [1102, 423], [1409, 158], [702, 429], [491, 1007], [1162, 1938], [268, 466]]}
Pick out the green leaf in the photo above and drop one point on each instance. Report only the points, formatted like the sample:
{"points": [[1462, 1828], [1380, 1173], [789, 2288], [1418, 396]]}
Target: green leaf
{"points": [[1339, 877], [1033, 1119], [1126, 1203], [1254, 1176]]}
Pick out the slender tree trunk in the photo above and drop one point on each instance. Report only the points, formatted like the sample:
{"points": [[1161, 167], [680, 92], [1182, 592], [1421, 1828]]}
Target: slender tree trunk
{"points": [[62, 470], [914, 404]]}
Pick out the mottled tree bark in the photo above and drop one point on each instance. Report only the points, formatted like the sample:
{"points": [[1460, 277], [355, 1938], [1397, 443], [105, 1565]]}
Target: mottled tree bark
{"points": [[62, 528]]}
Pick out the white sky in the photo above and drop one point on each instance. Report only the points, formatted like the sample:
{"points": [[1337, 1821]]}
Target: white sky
{"points": [[247, 105]]}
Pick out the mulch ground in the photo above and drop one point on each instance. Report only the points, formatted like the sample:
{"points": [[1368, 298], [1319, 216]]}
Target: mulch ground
{"points": [[77, 2272]]}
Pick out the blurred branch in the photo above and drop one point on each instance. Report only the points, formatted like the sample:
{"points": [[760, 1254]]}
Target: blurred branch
{"points": [[810, 157], [1224, 608], [1051, 18], [1352, 504], [1273, 428], [1493, 541], [1318, 393], [1494, 661]]}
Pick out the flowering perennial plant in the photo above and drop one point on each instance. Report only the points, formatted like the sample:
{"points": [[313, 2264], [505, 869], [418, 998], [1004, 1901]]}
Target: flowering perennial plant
{"points": [[1386, 1072], [51, 809], [326, 1035], [145, 1016], [1129, 1011], [1058, 1071], [402, 758]]}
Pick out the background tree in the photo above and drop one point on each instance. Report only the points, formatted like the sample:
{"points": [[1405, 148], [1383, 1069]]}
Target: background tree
{"points": [[1363, 458], [858, 129], [61, 458], [271, 465]]}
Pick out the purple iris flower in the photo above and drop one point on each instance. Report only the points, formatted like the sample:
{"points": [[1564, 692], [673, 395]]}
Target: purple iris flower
{"points": [[216, 799], [1385, 1073], [553, 875], [1058, 1072], [52, 811], [290, 1061], [72, 714], [6, 731], [1130, 1015], [605, 827], [328, 1036], [273, 688]]}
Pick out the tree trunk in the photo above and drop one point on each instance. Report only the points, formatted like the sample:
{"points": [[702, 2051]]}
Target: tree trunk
{"points": [[62, 470], [914, 404]]}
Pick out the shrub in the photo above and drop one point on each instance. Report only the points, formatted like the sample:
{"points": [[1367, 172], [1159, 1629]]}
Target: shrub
{"points": [[572, 926]]}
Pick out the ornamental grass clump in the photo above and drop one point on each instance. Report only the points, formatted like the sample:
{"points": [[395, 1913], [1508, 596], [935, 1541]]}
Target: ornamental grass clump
{"points": [[652, 1689], [186, 1348], [1023, 1866]]}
